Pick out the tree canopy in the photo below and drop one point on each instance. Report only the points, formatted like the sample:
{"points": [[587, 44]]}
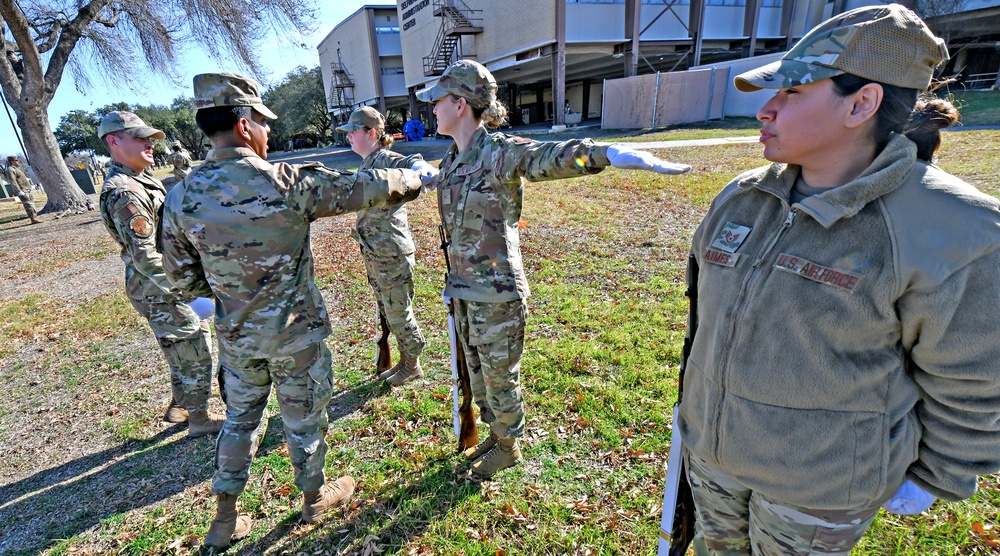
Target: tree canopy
{"points": [[119, 40], [300, 103]]}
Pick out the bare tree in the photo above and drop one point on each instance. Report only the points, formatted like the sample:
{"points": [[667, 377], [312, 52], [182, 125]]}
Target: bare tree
{"points": [[113, 38]]}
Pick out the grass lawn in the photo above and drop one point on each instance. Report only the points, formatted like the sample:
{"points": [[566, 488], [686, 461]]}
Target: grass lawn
{"points": [[604, 255]]}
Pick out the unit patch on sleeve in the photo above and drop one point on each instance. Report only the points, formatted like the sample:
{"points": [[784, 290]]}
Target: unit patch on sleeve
{"points": [[731, 237], [840, 279], [141, 225]]}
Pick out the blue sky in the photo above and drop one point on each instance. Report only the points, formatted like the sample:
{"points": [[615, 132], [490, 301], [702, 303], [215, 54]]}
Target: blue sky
{"points": [[279, 55]]}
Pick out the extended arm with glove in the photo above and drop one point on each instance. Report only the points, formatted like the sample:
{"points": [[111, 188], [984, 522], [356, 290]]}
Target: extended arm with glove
{"points": [[624, 157]]}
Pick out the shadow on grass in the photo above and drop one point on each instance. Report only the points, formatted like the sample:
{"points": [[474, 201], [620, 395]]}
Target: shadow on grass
{"points": [[388, 519], [64, 501], [59, 503]]}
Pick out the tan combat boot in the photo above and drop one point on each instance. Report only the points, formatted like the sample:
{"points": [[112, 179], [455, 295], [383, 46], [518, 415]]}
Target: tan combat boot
{"points": [[316, 502], [384, 375], [175, 413], [472, 454], [505, 454], [409, 369], [201, 423], [228, 525]]}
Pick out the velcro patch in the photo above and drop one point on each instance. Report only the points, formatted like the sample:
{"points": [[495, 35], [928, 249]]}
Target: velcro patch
{"points": [[721, 258], [141, 225], [521, 140], [466, 170], [127, 211], [840, 279]]}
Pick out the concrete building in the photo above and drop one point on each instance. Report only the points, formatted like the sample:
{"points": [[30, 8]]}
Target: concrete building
{"points": [[362, 63], [551, 57]]}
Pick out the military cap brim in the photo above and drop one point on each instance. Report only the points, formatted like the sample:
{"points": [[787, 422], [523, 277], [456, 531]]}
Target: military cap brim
{"points": [[432, 94], [781, 74]]}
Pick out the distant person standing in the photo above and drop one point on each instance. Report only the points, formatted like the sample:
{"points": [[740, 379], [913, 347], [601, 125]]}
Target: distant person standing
{"points": [[237, 229], [181, 161], [482, 184], [386, 245], [130, 206], [22, 188]]}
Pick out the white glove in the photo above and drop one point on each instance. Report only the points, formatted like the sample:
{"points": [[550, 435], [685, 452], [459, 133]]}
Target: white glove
{"points": [[621, 156], [203, 307], [909, 500], [446, 299], [428, 174]]}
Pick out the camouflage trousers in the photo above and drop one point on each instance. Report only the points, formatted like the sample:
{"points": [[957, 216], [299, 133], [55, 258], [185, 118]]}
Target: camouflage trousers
{"points": [[28, 202], [492, 336], [391, 279], [185, 344], [304, 385], [733, 520]]}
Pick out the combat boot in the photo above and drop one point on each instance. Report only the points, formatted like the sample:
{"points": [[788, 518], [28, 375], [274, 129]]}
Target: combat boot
{"points": [[35, 220], [505, 454], [409, 369], [201, 423], [384, 375], [228, 525], [175, 413], [472, 454], [315, 503]]}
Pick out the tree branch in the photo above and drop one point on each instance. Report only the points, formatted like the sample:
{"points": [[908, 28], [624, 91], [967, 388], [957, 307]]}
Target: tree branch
{"points": [[71, 33], [20, 29], [45, 41]]}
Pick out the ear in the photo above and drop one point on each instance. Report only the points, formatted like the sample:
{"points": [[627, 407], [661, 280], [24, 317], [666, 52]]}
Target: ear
{"points": [[242, 129], [864, 105]]}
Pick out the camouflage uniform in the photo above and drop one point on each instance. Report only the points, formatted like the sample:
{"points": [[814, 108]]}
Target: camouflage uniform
{"points": [[387, 248], [733, 519], [130, 205], [480, 196], [238, 228], [181, 162], [22, 190]]}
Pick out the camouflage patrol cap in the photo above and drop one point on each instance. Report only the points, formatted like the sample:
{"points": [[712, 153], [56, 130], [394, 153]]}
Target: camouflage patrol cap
{"points": [[887, 44], [129, 123], [229, 89], [363, 117], [466, 79]]}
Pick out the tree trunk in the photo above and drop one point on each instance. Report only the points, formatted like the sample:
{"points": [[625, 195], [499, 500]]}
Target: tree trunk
{"points": [[43, 151]]}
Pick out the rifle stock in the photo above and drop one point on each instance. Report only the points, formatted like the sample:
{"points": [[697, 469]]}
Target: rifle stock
{"points": [[678, 501], [468, 434], [383, 357]]}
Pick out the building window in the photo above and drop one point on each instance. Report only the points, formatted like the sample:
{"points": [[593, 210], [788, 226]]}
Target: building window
{"points": [[392, 71], [387, 30]]}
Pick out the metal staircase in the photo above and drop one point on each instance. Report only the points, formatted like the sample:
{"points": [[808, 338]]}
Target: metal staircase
{"points": [[341, 97], [456, 20]]}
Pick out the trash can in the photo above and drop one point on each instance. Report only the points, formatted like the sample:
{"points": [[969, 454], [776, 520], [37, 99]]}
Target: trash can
{"points": [[84, 180]]}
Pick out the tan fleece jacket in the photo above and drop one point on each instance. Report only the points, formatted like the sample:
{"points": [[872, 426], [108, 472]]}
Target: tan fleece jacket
{"points": [[849, 341]]}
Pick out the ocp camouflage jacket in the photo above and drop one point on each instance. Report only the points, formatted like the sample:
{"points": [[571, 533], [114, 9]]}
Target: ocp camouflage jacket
{"points": [[849, 341], [480, 198], [384, 231], [130, 206], [237, 228]]}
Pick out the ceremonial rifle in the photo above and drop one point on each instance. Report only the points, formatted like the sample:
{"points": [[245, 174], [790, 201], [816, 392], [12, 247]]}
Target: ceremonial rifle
{"points": [[677, 521], [463, 416]]}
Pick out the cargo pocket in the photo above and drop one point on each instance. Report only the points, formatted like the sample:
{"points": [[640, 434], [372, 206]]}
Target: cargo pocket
{"points": [[320, 380]]}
